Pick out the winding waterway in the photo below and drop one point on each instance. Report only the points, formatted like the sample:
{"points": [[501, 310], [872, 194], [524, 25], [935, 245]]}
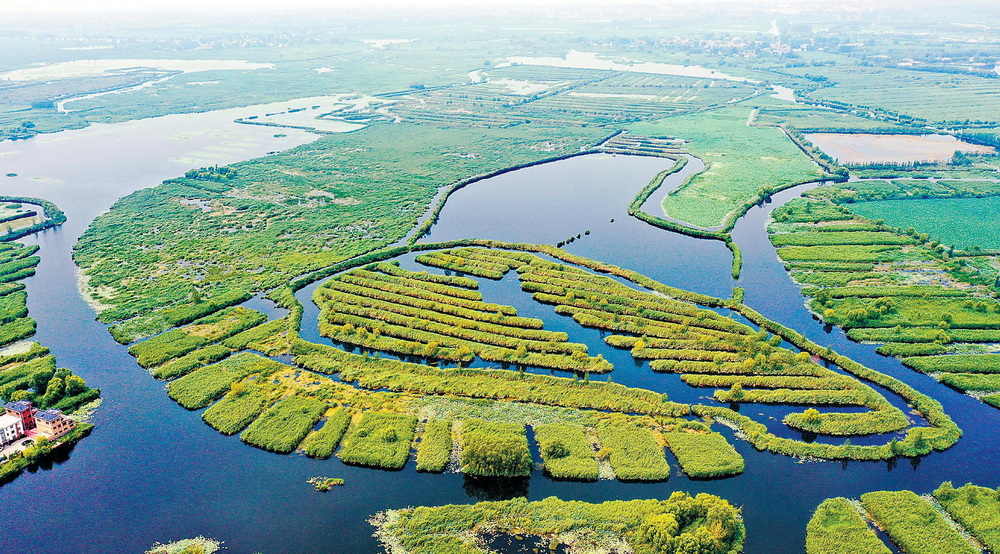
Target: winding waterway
{"points": [[152, 471]]}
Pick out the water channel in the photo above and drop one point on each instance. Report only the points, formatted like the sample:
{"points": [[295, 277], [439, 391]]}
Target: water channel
{"points": [[152, 471]]}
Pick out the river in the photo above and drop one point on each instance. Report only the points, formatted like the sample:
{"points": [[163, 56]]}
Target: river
{"points": [[152, 471]]}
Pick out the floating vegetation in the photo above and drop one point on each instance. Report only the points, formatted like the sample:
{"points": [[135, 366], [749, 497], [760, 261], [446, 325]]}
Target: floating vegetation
{"points": [[324, 484]]}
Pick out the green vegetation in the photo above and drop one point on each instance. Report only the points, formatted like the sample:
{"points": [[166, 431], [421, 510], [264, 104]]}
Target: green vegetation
{"points": [[807, 118], [704, 523], [913, 524], [916, 297], [324, 484], [743, 164], [434, 450], [322, 443], [495, 449], [283, 426], [199, 388], [269, 338], [567, 451], [703, 455], [379, 440], [975, 508], [969, 381], [235, 411], [415, 317], [177, 342], [197, 545], [956, 363], [673, 332], [633, 451], [962, 222], [374, 373], [190, 361], [326, 190], [836, 527]]}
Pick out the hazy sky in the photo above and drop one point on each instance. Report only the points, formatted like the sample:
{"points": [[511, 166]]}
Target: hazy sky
{"points": [[352, 5], [238, 5]]}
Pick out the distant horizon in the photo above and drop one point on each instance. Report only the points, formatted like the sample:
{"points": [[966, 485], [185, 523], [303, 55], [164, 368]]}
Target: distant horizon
{"points": [[333, 6]]}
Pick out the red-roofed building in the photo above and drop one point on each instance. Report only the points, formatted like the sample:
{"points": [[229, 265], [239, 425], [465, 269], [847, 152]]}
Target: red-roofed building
{"points": [[24, 410]]}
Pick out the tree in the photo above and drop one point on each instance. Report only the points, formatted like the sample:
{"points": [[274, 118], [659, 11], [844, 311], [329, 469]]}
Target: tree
{"points": [[812, 417], [39, 380], [502, 456], [75, 385], [54, 392], [556, 449], [20, 395]]}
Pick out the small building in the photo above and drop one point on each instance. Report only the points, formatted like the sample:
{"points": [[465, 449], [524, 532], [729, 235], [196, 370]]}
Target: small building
{"points": [[24, 410], [11, 429], [53, 423]]}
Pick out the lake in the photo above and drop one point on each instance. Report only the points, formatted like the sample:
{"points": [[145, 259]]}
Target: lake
{"points": [[575, 59], [153, 471], [861, 148]]}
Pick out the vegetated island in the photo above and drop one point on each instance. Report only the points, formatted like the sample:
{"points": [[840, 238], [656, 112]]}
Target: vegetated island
{"points": [[197, 545], [950, 520], [681, 523], [931, 304], [473, 419]]}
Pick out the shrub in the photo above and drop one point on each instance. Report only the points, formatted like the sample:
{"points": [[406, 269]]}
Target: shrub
{"points": [[495, 449]]}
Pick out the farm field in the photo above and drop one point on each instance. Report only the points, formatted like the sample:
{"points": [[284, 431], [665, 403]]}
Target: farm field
{"points": [[743, 163], [929, 306], [962, 222]]}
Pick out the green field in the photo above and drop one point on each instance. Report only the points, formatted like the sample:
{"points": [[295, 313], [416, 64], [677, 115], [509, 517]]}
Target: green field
{"points": [[960, 222], [742, 162]]}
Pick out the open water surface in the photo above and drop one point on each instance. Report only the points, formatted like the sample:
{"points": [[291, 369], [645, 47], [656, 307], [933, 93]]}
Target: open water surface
{"points": [[153, 471]]}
